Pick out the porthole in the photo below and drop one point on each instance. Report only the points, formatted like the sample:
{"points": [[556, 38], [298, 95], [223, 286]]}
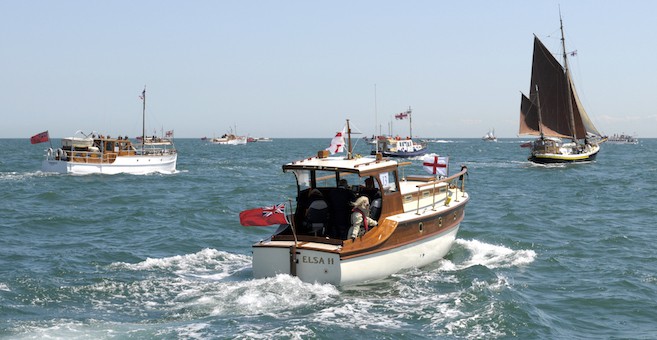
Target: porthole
{"points": [[421, 225], [440, 221]]}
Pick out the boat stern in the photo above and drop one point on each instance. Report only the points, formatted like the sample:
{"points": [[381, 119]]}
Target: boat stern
{"points": [[311, 262], [57, 166]]}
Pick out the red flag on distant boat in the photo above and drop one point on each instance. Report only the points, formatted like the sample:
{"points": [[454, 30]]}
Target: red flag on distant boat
{"points": [[169, 133], [270, 215], [40, 138], [403, 115]]}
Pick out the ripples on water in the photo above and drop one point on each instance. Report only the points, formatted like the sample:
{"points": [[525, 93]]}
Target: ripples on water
{"points": [[544, 252]]}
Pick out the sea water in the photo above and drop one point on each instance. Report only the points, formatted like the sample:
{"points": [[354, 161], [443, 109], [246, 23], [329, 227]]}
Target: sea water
{"points": [[549, 252]]}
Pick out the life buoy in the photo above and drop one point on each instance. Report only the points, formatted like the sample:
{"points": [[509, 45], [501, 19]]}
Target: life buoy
{"points": [[59, 153], [49, 152]]}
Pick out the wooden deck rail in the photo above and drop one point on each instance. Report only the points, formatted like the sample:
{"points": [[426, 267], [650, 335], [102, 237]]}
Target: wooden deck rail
{"points": [[460, 175]]}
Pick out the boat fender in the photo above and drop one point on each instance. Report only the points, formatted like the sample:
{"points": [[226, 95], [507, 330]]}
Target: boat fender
{"points": [[59, 153], [49, 152]]}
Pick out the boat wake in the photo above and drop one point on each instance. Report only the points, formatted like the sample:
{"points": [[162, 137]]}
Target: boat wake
{"points": [[20, 176], [213, 286], [490, 256]]}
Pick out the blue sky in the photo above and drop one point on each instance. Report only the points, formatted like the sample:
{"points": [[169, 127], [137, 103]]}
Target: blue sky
{"points": [[300, 68]]}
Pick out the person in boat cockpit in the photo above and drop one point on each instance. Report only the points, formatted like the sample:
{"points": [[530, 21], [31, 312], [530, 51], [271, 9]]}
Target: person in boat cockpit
{"points": [[360, 218]]}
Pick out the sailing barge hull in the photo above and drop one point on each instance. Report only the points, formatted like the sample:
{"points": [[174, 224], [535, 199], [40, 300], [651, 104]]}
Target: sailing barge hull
{"points": [[551, 158]]}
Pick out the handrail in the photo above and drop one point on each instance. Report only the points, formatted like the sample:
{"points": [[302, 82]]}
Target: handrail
{"points": [[446, 179], [460, 175]]}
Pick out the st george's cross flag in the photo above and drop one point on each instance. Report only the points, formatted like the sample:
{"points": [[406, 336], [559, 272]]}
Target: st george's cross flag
{"points": [[337, 143], [436, 165], [269, 215]]}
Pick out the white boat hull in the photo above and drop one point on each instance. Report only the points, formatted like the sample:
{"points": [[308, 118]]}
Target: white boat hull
{"points": [[231, 142], [325, 266], [139, 164]]}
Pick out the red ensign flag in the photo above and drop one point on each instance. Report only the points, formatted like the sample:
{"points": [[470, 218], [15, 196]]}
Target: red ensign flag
{"points": [[264, 216], [40, 138]]}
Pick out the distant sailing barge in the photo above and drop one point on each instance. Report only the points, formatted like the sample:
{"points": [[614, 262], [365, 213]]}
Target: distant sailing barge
{"points": [[553, 111]]}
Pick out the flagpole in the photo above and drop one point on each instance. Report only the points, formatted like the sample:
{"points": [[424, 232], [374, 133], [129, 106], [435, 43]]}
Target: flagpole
{"points": [[293, 249], [349, 140]]}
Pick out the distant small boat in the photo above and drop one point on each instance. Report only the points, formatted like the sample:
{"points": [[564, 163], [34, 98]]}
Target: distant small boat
{"points": [[229, 139], [398, 146], [622, 139], [490, 136], [264, 139], [167, 139]]}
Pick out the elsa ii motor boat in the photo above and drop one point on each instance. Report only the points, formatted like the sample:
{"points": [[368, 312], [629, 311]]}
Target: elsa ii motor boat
{"points": [[554, 112], [417, 217]]}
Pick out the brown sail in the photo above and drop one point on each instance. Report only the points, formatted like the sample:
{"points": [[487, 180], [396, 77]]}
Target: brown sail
{"points": [[552, 82]]}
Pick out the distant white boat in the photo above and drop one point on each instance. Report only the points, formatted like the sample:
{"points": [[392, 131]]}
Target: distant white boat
{"points": [[229, 139], [622, 139], [94, 153], [98, 154], [490, 136]]}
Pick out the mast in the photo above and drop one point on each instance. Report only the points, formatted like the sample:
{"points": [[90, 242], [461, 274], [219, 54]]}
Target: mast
{"points": [[376, 135], [143, 117], [538, 104], [568, 88], [375, 113], [410, 122]]}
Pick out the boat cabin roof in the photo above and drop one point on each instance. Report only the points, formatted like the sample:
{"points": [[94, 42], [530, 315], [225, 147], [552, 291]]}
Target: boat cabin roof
{"points": [[363, 166]]}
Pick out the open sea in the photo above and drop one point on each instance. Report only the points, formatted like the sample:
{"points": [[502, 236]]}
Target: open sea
{"points": [[544, 252]]}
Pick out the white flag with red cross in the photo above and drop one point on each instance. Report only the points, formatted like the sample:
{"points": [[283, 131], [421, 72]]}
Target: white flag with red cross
{"points": [[436, 165]]}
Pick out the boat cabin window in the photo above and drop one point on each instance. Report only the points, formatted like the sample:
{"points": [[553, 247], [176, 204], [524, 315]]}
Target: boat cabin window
{"points": [[303, 178], [388, 181]]}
